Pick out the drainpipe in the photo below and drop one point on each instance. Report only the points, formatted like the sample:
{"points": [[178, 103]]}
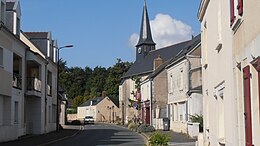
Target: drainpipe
{"points": [[25, 86], [151, 102], [189, 86], [45, 122]]}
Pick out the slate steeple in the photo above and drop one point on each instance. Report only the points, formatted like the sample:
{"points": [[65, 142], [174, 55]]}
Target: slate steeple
{"points": [[145, 43]]}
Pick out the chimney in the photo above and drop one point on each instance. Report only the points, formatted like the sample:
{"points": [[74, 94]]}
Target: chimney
{"points": [[104, 94], [157, 62]]}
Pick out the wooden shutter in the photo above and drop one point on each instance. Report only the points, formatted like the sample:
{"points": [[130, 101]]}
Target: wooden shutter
{"points": [[259, 91], [232, 12], [240, 7], [247, 106]]}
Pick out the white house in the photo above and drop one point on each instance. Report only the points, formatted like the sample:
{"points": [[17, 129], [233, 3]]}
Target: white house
{"points": [[41, 85], [12, 70], [27, 74], [230, 59], [185, 86]]}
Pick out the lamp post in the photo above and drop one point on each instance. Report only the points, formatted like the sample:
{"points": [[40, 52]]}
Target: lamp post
{"points": [[58, 62]]}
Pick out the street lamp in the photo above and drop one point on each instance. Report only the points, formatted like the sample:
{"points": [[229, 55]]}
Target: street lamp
{"points": [[58, 62]]}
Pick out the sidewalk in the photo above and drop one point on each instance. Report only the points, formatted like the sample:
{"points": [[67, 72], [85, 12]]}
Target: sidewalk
{"points": [[44, 139]]}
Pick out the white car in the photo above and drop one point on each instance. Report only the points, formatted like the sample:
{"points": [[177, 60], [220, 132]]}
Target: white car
{"points": [[88, 120]]}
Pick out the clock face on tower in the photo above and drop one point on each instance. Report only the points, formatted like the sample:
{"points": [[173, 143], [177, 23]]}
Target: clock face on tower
{"points": [[139, 50]]}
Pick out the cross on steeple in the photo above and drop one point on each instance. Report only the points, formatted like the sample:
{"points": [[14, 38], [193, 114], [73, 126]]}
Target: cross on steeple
{"points": [[145, 43]]}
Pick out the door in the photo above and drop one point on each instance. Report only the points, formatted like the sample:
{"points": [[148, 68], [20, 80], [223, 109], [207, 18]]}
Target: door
{"points": [[247, 106], [147, 118]]}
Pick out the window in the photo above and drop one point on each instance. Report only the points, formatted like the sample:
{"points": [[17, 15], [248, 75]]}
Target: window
{"points": [[1, 109], [50, 115], [181, 79], [234, 13], [1, 57], [49, 83], [171, 84], [16, 112]]}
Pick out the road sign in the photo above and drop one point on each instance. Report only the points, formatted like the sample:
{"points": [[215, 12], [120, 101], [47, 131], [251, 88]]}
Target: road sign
{"points": [[135, 104]]}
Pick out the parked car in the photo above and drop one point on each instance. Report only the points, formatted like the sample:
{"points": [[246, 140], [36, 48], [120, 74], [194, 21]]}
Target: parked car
{"points": [[88, 120]]}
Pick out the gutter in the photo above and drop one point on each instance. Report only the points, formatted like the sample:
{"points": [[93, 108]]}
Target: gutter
{"points": [[12, 35]]}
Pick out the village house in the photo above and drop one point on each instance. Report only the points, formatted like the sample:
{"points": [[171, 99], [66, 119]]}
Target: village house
{"points": [[102, 109], [155, 86], [185, 87], [168, 76], [136, 89], [230, 60]]}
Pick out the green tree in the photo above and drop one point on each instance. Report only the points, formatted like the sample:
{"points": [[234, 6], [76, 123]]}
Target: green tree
{"points": [[83, 84], [113, 80]]}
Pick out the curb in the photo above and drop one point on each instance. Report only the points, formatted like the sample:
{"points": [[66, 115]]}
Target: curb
{"points": [[146, 138], [63, 138]]}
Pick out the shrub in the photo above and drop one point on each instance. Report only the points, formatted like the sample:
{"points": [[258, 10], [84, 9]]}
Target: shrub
{"points": [[132, 126], [197, 119], [75, 122], [145, 128], [129, 122], [71, 111], [159, 139]]}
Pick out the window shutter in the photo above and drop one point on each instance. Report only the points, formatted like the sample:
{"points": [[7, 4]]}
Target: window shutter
{"points": [[232, 13], [240, 7]]}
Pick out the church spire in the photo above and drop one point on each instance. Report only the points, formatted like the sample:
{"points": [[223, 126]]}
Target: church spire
{"points": [[145, 33]]}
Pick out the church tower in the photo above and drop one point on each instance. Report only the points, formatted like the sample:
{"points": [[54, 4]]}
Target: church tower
{"points": [[145, 43]]}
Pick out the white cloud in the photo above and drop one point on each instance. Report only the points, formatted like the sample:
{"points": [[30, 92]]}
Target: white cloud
{"points": [[166, 31], [133, 40]]}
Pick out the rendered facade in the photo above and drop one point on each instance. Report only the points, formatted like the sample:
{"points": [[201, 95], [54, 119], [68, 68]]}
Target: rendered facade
{"points": [[28, 101], [230, 42]]}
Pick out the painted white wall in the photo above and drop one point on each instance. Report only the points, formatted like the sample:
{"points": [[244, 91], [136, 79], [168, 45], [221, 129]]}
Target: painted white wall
{"points": [[217, 72], [7, 57], [177, 76], [146, 90]]}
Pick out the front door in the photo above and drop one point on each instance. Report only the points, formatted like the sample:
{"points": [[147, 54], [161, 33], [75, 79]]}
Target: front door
{"points": [[247, 106], [147, 118]]}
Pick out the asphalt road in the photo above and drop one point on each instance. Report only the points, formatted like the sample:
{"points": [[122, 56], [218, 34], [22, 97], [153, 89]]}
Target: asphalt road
{"points": [[103, 135]]}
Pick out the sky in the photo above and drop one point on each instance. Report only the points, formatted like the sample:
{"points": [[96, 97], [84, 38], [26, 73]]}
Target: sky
{"points": [[104, 30]]}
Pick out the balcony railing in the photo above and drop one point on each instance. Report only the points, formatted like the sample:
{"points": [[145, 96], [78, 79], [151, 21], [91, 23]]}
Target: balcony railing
{"points": [[17, 81], [49, 88], [34, 84]]}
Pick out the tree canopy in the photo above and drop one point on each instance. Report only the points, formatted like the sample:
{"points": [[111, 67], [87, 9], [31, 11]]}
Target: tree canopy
{"points": [[82, 84]]}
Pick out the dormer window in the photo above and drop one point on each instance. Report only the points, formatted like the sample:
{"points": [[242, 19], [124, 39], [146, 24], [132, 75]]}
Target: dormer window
{"points": [[2, 12]]}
